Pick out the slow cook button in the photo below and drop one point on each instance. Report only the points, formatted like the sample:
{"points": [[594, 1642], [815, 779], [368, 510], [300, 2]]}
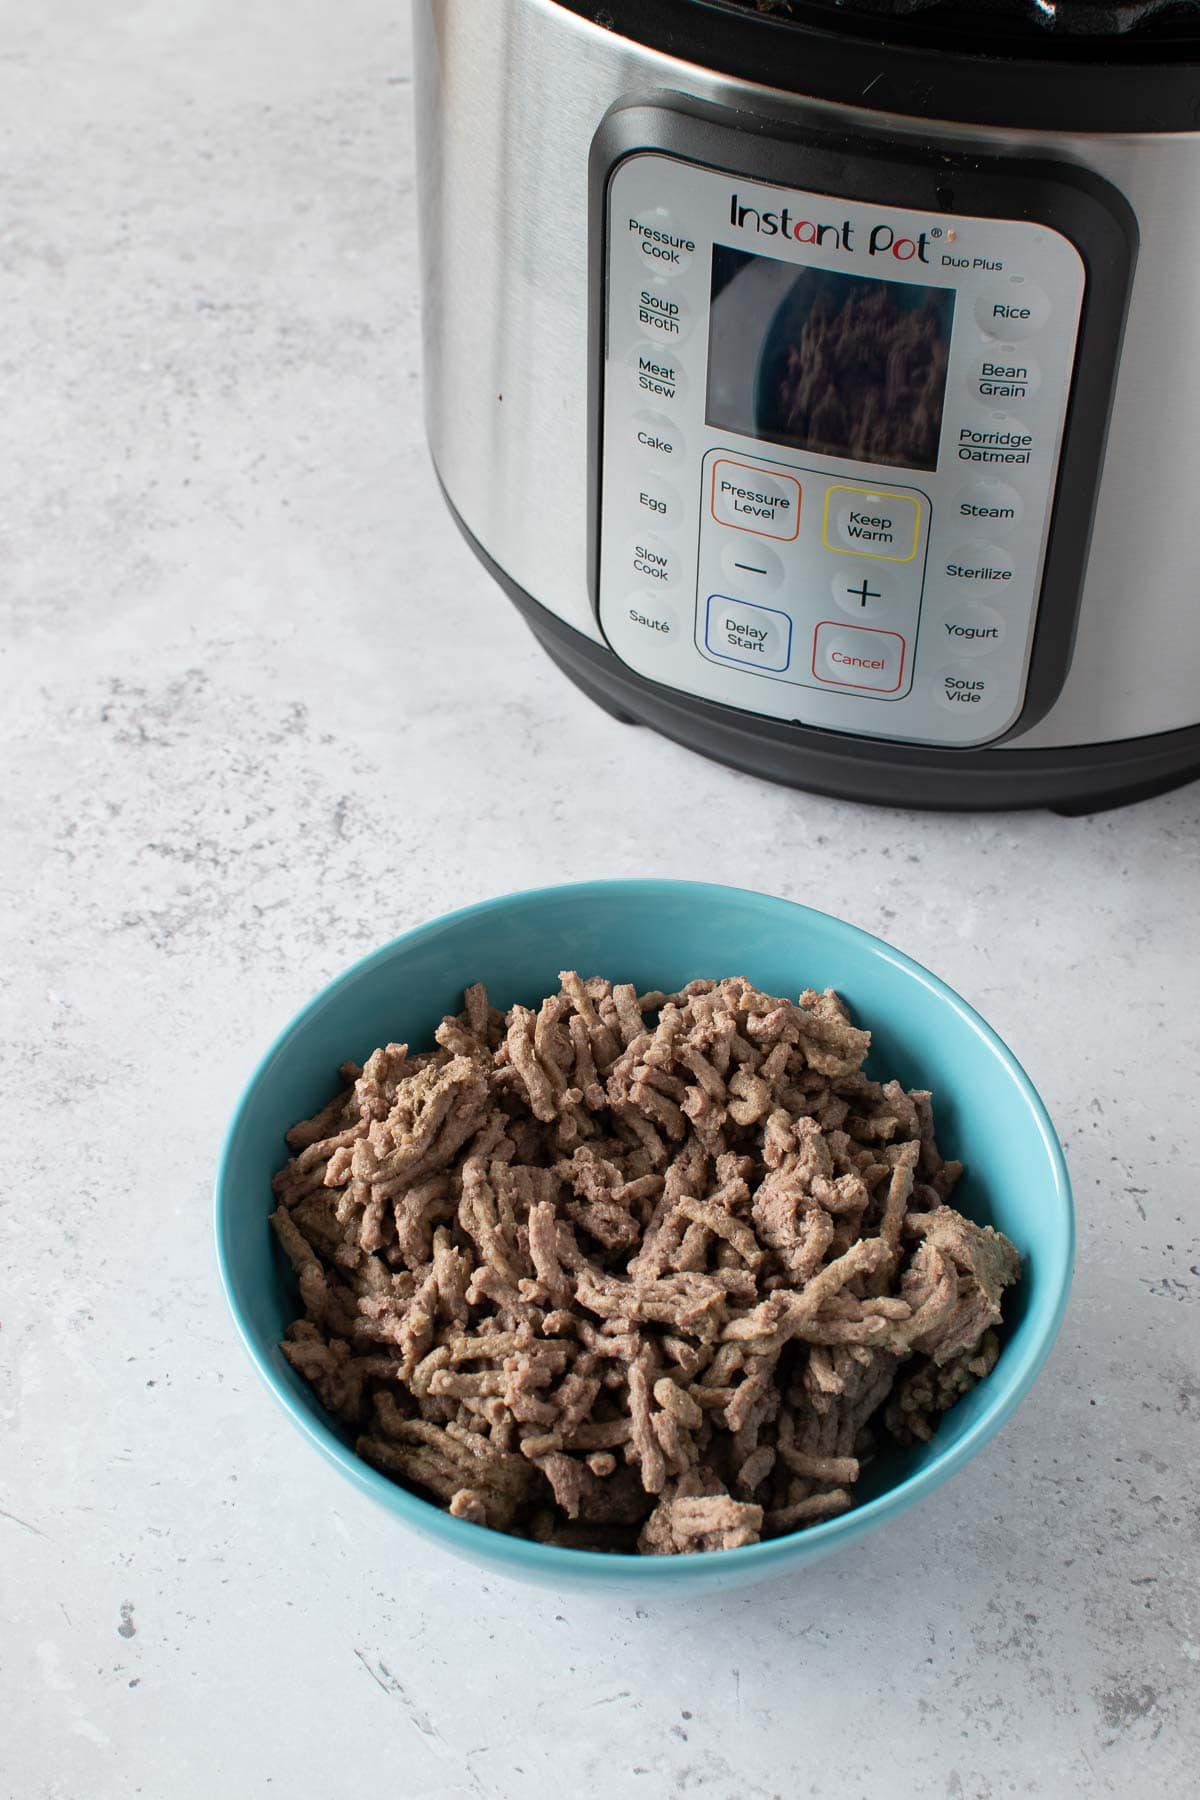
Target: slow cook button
{"points": [[654, 562], [1012, 310], [964, 689], [970, 629], [988, 505], [657, 440], [657, 374], [661, 313], [885, 526], [662, 246], [757, 636], [858, 657], [649, 618], [656, 502], [1004, 375], [755, 500], [979, 568]]}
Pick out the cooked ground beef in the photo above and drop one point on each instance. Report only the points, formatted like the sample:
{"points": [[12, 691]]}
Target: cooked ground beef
{"points": [[634, 1272]]}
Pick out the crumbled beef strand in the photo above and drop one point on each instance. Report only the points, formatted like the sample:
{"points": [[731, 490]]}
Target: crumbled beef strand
{"points": [[634, 1273]]}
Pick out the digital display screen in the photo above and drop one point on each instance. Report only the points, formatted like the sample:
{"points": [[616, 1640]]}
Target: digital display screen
{"points": [[842, 365]]}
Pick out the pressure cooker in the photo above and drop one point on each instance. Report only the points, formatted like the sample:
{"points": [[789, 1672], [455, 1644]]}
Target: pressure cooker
{"points": [[820, 378]]}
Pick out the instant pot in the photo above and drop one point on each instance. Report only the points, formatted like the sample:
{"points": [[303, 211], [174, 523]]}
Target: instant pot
{"points": [[821, 379]]}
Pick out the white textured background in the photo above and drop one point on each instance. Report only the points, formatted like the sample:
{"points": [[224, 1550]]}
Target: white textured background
{"points": [[261, 710]]}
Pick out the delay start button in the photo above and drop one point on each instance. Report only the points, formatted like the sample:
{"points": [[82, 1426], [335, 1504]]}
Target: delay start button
{"points": [[759, 637]]}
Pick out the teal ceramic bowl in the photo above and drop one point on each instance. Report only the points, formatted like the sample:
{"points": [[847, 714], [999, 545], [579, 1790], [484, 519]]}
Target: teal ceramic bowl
{"points": [[661, 934]]}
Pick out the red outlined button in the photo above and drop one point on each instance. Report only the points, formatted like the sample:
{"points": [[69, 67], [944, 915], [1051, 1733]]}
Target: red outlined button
{"points": [[856, 656], [752, 499]]}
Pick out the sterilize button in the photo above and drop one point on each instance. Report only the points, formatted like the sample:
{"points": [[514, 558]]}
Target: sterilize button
{"points": [[969, 629], [858, 657], [1005, 375], [868, 596], [656, 502], [867, 523], [663, 247], [988, 505], [661, 312], [657, 373], [1012, 309], [750, 568], [758, 636], [979, 568], [657, 439]]}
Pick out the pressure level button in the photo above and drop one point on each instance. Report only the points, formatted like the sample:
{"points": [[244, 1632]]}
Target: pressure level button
{"points": [[1011, 310]]}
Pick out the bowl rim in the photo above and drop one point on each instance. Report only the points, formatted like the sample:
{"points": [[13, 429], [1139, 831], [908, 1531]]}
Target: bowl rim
{"points": [[524, 1554]]}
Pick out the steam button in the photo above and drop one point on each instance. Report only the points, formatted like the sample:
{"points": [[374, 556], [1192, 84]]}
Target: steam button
{"points": [[1012, 310]]}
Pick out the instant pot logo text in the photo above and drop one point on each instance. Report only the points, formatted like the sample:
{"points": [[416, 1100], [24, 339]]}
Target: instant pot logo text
{"points": [[881, 240]]}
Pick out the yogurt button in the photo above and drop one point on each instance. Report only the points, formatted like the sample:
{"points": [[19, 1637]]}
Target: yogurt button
{"points": [[1011, 310], [969, 629], [988, 505]]}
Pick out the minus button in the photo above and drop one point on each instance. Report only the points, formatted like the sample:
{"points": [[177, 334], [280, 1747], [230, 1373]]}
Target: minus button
{"points": [[746, 578]]}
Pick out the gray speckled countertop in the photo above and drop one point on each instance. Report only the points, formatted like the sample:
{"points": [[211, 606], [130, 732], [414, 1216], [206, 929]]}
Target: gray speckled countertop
{"points": [[262, 710]]}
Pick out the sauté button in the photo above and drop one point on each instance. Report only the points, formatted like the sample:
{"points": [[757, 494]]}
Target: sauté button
{"points": [[988, 505], [657, 373], [757, 636], [968, 629], [1012, 309], [649, 618], [657, 440], [858, 657], [868, 523], [750, 569], [661, 313]]}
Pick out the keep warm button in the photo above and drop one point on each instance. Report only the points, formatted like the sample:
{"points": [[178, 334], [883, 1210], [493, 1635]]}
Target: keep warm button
{"points": [[857, 656]]}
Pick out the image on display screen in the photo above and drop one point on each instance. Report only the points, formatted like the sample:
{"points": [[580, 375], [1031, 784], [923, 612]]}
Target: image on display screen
{"points": [[842, 365]]}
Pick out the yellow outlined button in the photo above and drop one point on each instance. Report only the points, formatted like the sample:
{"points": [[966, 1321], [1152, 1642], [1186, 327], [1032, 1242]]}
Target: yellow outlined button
{"points": [[860, 521]]}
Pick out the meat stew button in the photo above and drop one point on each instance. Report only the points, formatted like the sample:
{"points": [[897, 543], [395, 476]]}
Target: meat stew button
{"points": [[858, 656]]}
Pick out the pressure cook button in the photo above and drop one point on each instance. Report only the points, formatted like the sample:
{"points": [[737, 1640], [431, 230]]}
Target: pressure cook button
{"points": [[868, 523], [661, 313], [870, 596], [1004, 375], [750, 568], [988, 505], [662, 247], [657, 440], [1012, 309], [754, 499], [649, 618], [657, 373], [858, 657], [653, 561], [969, 629], [979, 568], [962, 689], [758, 636], [657, 502]]}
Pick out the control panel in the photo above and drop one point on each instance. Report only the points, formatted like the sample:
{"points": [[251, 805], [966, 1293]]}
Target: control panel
{"points": [[830, 445]]}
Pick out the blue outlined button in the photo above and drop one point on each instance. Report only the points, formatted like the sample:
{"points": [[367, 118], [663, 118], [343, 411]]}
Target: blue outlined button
{"points": [[758, 637]]}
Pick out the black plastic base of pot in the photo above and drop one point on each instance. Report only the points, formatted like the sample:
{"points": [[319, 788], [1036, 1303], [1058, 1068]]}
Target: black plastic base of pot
{"points": [[1079, 779]]}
